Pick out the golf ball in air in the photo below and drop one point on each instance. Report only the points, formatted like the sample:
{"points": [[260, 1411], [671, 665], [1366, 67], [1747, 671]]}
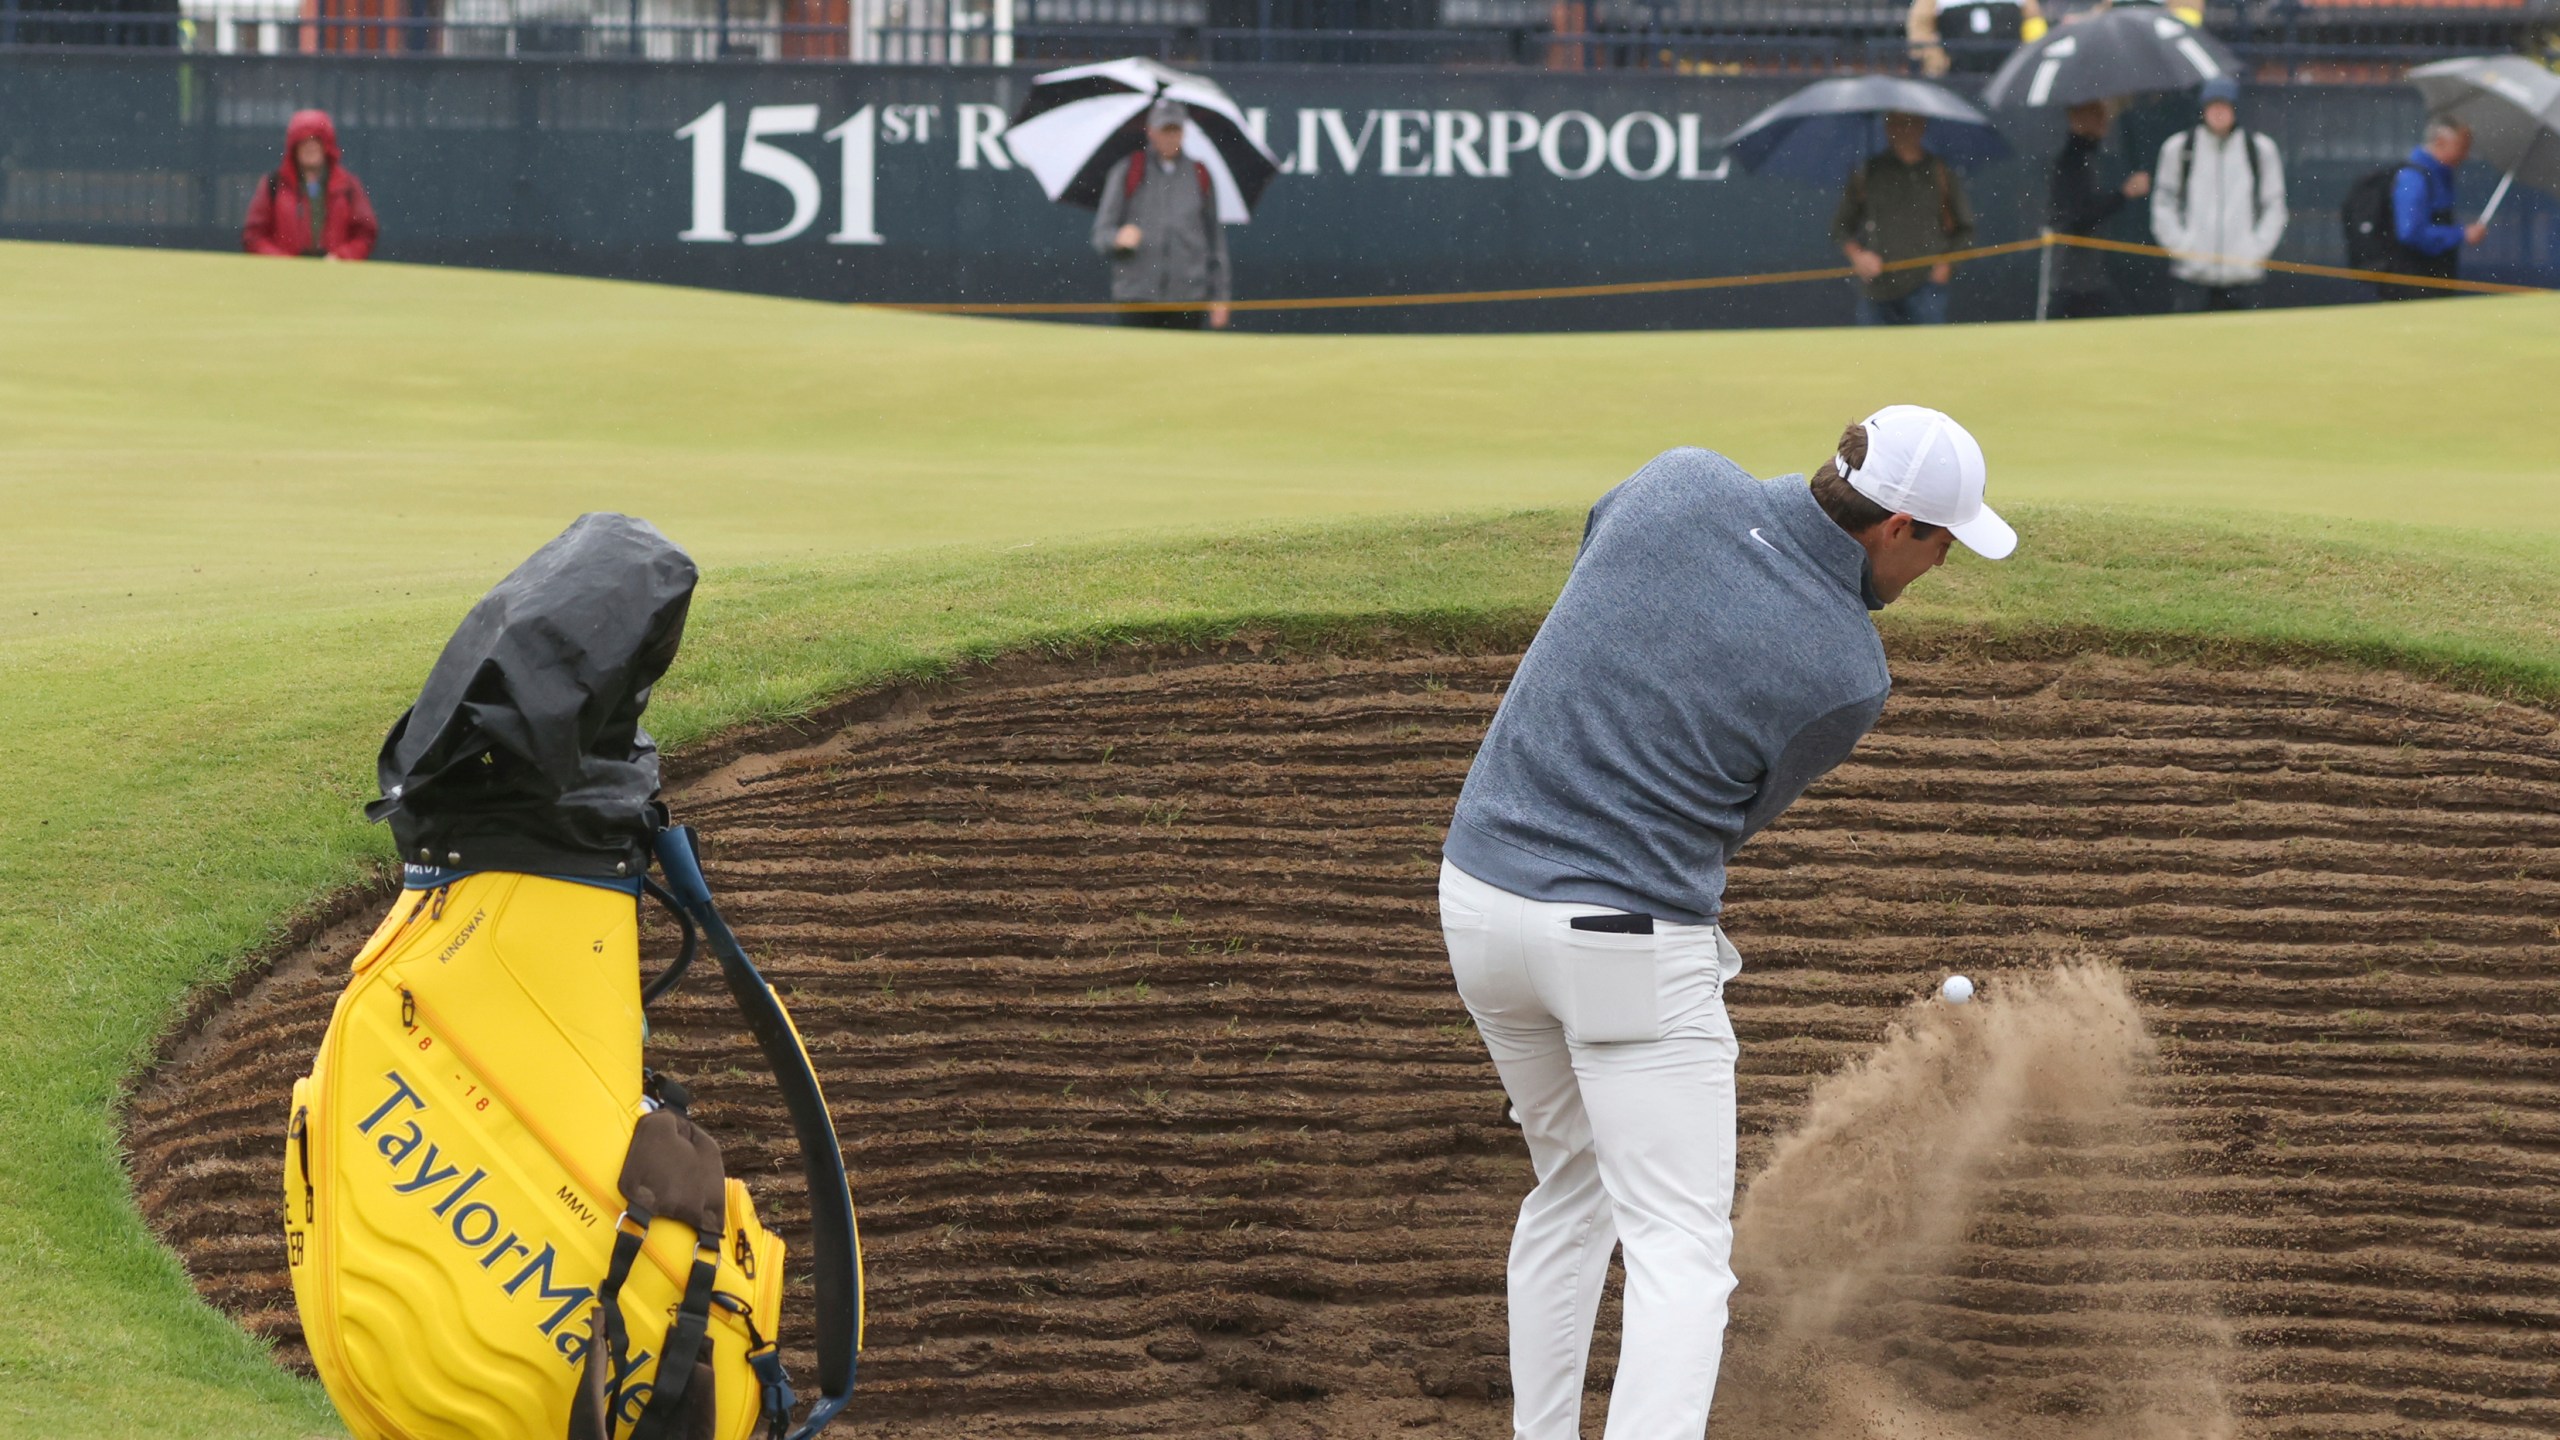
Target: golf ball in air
{"points": [[1956, 991]]}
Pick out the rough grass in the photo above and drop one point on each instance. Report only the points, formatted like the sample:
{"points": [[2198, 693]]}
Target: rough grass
{"points": [[246, 502]]}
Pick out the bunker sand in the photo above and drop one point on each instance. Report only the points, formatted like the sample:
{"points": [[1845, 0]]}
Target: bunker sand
{"points": [[1127, 990]]}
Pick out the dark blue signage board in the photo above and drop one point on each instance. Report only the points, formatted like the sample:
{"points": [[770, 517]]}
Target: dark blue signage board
{"points": [[886, 183]]}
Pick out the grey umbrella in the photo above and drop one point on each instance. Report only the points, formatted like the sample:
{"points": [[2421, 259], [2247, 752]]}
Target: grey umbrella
{"points": [[1829, 128], [2512, 106], [2127, 51]]}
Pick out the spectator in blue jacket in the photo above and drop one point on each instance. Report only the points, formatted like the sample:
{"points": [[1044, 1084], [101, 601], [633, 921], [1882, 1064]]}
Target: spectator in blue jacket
{"points": [[2422, 210]]}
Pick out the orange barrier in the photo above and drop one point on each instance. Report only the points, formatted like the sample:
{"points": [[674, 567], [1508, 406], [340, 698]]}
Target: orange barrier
{"points": [[1669, 287]]}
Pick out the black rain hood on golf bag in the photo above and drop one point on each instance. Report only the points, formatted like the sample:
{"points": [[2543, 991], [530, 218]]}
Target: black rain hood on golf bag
{"points": [[524, 750]]}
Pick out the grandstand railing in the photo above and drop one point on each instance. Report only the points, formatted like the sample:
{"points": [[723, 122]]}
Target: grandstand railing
{"points": [[2323, 40]]}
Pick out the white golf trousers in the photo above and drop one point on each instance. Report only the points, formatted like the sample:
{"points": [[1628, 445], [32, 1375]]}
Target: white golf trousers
{"points": [[1618, 1058]]}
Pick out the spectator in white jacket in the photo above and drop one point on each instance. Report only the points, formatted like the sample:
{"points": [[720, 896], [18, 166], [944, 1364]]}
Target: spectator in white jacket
{"points": [[2218, 199]]}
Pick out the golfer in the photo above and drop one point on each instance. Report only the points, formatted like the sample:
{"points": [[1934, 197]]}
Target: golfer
{"points": [[1710, 657]]}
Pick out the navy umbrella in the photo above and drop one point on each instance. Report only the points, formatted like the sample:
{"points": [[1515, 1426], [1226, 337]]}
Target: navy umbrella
{"points": [[1828, 129]]}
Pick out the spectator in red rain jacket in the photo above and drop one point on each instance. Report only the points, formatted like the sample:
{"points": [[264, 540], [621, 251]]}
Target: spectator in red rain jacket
{"points": [[313, 204]]}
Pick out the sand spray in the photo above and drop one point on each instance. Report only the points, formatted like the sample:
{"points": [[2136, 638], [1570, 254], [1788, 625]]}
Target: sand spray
{"points": [[1874, 1304]]}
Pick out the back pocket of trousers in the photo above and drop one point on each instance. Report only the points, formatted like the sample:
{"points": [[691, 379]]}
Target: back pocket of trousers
{"points": [[1615, 986]]}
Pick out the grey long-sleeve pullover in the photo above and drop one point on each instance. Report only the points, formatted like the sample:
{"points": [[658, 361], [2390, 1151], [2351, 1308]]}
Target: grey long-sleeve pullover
{"points": [[1710, 657]]}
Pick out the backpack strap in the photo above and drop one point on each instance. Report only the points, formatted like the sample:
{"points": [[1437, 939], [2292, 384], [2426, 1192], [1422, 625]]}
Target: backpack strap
{"points": [[1946, 195], [835, 1238], [1138, 175], [2187, 172], [2249, 147]]}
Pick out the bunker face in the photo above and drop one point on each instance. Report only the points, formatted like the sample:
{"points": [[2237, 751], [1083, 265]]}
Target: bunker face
{"points": [[1128, 992]]}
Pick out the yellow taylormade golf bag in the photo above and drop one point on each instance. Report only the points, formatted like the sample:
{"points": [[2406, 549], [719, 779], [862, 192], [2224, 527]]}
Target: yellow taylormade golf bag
{"points": [[501, 1224]]}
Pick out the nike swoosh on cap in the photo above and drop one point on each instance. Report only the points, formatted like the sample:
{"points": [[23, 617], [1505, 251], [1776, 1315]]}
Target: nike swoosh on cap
{"points": [[1763, 539]]}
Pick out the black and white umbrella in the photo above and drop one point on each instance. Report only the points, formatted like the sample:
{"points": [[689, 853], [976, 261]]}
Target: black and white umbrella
{"points": [[2512, 106], [2129, 50], [1077, 123], [1829, 128]]}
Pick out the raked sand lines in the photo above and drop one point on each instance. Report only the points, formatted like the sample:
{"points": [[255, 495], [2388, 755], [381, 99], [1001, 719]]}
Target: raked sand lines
{"points": [[1128, 992]]}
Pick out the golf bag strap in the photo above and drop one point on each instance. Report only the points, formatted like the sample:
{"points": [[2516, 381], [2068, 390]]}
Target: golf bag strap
{"points": [[765, 1358], [672, 1168], [590, 1406], [779, 1397], [665, 1413], [594, 1413], [627, 1240], [835, 1241]]}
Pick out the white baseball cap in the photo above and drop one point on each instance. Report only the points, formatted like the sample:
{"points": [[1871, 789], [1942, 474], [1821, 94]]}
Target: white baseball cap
{"points": [[1923, 464]]}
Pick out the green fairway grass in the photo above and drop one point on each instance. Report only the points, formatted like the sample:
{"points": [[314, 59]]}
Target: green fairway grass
{"points": [[247, 500]]}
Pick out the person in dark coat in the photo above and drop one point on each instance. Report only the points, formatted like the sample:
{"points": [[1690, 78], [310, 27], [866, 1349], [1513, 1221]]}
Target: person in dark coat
{"points": [[1903, 204], [1158, 225], [311, 204], [2086, 194]]}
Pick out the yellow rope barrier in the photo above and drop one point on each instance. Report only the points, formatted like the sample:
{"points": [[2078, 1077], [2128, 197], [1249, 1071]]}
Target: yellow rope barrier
{"points": [[1461, 297], [2291, 267], [1668, 287]]}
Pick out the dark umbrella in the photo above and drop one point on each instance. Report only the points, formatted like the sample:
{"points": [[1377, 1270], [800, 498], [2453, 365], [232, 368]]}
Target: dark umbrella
{"points": [[2128, 51], [1076, 123], [2512, 106], [1827, 129]]}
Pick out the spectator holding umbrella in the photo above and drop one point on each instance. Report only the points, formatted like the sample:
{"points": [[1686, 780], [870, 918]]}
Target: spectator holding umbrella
{"points": [[1164, 159], [2220, 204], [2082, 66], [1158, 224], [311, 204], [2422, 209], [2085, 195], [2502, 110], [1904, 203]]}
